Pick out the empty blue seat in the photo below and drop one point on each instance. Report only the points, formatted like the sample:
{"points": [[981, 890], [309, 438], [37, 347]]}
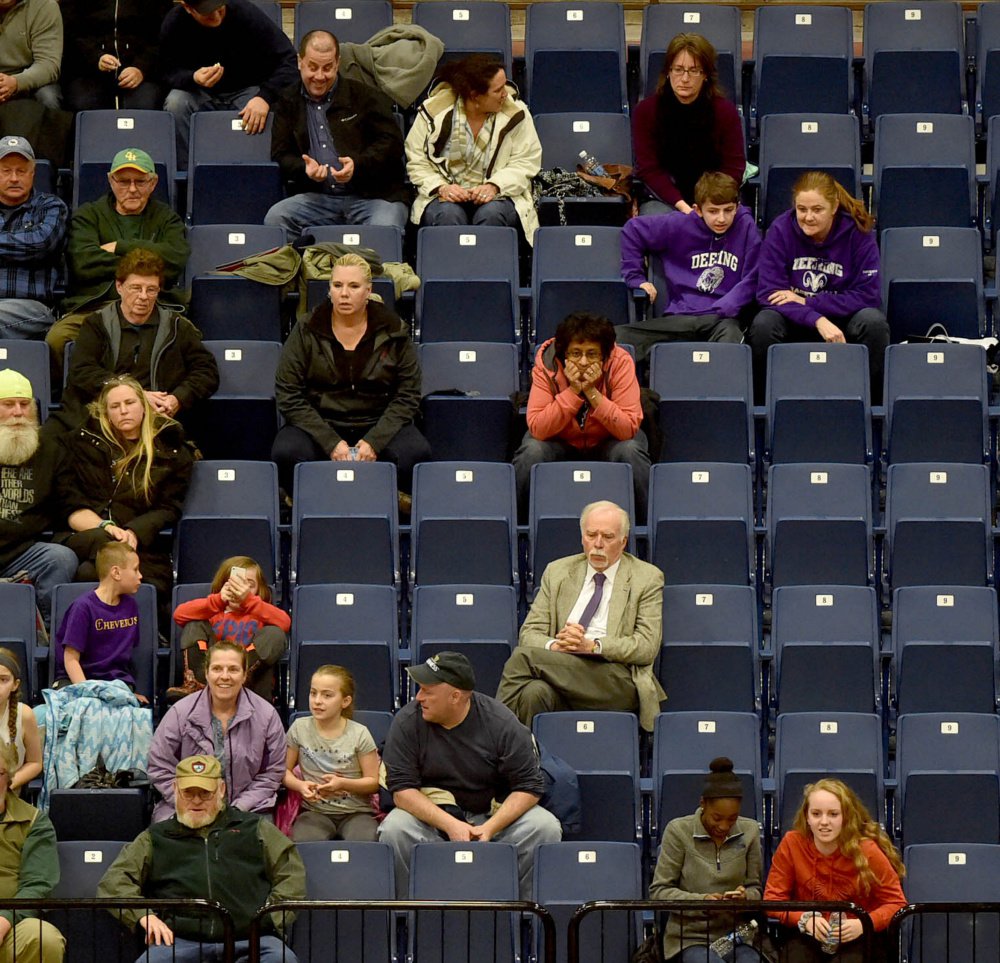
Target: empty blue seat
{"points": [[710, 653], [818, 404], [819, 504], [345, 503], [828, 633], [944, 649], [17, 602], [933, 276], [937, 522], [603, 748], [351, 21], [683, 745], [468, 26], [936, 399], [947, 772], [83, 814], [466, 407], [464, 524], [575, 57], [925, 171], [706, 401], [701, 523]]}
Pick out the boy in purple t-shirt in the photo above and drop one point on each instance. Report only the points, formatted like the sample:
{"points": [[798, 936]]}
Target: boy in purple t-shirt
{"points": [[100, 629]]}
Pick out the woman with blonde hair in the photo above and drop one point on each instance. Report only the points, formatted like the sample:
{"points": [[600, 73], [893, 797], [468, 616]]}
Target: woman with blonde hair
{"points": [[124, 477], [835, 852], [348, 382], [818, 278], [686, 128]]}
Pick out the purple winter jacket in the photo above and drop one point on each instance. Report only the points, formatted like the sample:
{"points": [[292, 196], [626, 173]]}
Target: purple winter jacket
{"points": [[837, 277], [254, 762], [706, 273]]}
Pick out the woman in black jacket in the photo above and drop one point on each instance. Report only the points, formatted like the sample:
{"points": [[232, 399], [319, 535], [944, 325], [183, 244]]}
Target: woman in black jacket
{"points": [[124, 477], [348, 383]]}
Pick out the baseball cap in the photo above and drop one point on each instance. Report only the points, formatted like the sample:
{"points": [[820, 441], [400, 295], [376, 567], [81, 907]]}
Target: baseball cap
{"points": [[205, 6], [133, 157], [16, 145], [201, 771], [13, 384], [450, 667]]}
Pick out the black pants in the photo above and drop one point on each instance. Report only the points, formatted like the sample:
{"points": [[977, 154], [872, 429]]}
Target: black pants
{"points": [[678, 327], [100, 91]]}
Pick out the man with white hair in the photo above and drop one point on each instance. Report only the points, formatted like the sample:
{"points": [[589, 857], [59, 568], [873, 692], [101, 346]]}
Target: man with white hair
{"points": [[207, 850], [593, 631], [28, 507]]}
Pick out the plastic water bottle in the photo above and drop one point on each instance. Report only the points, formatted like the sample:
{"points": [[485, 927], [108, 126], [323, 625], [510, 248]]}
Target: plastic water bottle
{"points": [[591, 165], [746, 933], [832, 942]]}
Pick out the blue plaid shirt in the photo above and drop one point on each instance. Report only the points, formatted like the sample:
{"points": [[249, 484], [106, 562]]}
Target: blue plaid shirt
{"points": [[31, 243]]}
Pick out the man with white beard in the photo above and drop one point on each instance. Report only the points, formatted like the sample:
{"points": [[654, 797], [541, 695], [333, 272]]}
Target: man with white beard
{"points": [[28, 459], [207, 850]]}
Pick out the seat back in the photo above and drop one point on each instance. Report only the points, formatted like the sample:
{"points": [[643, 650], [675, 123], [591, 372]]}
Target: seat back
{"points": [[19, 632], [352, 21], [468, 26]]}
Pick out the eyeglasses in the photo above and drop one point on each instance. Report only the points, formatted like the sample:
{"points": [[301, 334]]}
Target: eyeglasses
{"points": [[137, 182], [151, 291], [575, 354], [686, 71]]}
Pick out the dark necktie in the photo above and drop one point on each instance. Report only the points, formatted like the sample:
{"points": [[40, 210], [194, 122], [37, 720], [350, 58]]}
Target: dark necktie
{"points": [[595, 600]]}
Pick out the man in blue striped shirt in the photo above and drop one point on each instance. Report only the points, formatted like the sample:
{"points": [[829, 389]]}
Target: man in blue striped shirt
{"points": [[32, 234]]}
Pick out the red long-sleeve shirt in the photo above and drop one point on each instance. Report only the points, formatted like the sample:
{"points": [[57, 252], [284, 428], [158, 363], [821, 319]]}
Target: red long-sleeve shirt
{"points": [[233, 626]]}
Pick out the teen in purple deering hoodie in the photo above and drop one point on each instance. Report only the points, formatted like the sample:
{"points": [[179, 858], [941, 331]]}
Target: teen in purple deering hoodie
{"points": [[709, 260], [818, 278]]}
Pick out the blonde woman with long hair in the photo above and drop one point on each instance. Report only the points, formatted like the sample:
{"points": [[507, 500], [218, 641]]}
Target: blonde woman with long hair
{"points": [[124, 477], [835, 852]]}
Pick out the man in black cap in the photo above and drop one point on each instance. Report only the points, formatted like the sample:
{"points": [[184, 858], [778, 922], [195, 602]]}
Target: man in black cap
{"points": [[449, 754]]}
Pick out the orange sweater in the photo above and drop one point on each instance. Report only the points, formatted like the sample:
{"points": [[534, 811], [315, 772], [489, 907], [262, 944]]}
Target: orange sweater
{"points": [[799, 871]]}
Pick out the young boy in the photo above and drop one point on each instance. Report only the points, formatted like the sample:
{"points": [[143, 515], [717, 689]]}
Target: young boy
{"points": [[100, 629], [709, 260]]}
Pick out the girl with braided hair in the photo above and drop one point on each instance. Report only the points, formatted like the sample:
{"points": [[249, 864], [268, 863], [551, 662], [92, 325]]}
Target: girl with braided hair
{"points": [[18, 729]]}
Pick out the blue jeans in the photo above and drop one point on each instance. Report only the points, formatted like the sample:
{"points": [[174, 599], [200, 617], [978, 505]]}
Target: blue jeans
{"points": [[183, 103], [24, 318], [48, 565], [497, 213], [272, 950], [300, 211]]}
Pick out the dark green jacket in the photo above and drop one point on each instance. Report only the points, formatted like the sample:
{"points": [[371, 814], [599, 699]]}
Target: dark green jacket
{"points": [[92, 271]]}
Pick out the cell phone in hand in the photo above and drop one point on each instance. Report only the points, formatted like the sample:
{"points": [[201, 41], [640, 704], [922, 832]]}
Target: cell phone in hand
{"points": [[237, 571]]}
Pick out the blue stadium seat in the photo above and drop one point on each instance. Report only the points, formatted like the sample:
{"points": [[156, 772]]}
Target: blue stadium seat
{"points": [[819, 504], [575, 57], [272, 8], [987, 63], [818, 404], [933, 276], [828, 632], [683, 745], [385, 239], [710, 654], [925, 171], [351, 21], [706, 401], [603, 748], [937, 522], [100, 134], [478, 620], [231, 177], [345, 503], [936, 400], [19, 633], [31, 358], [241, 419], [466, 408], [802, 60], [719, 24], [914, 58], [791, 144], [944, 649], [231, 509], [701, 523], [80, 815], [813, 745], [464, 524], [355, 626], [947, 772], [468, 26], [468, 289]]}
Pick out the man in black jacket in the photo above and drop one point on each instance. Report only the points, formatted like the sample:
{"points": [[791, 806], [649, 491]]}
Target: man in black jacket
{"points": [[338, 144]]}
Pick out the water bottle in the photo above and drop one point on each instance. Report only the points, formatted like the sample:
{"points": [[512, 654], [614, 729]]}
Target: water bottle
{"points": [[746, 933], [831, 944], [591, 165]]}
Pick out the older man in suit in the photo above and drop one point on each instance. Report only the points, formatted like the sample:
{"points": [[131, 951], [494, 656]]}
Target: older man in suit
{"points": [[593, 631]]}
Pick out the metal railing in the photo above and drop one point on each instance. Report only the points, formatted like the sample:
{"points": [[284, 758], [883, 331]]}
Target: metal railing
{"points": [[947, 932]]}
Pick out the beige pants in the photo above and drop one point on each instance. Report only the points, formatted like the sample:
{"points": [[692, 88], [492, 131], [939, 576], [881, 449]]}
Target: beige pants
{"points": [[34, 941]]}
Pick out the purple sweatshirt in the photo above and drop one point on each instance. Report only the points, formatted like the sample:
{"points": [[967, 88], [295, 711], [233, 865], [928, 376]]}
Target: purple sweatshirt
{"points": [[103, 634], [837, 277], [706, 273]]}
